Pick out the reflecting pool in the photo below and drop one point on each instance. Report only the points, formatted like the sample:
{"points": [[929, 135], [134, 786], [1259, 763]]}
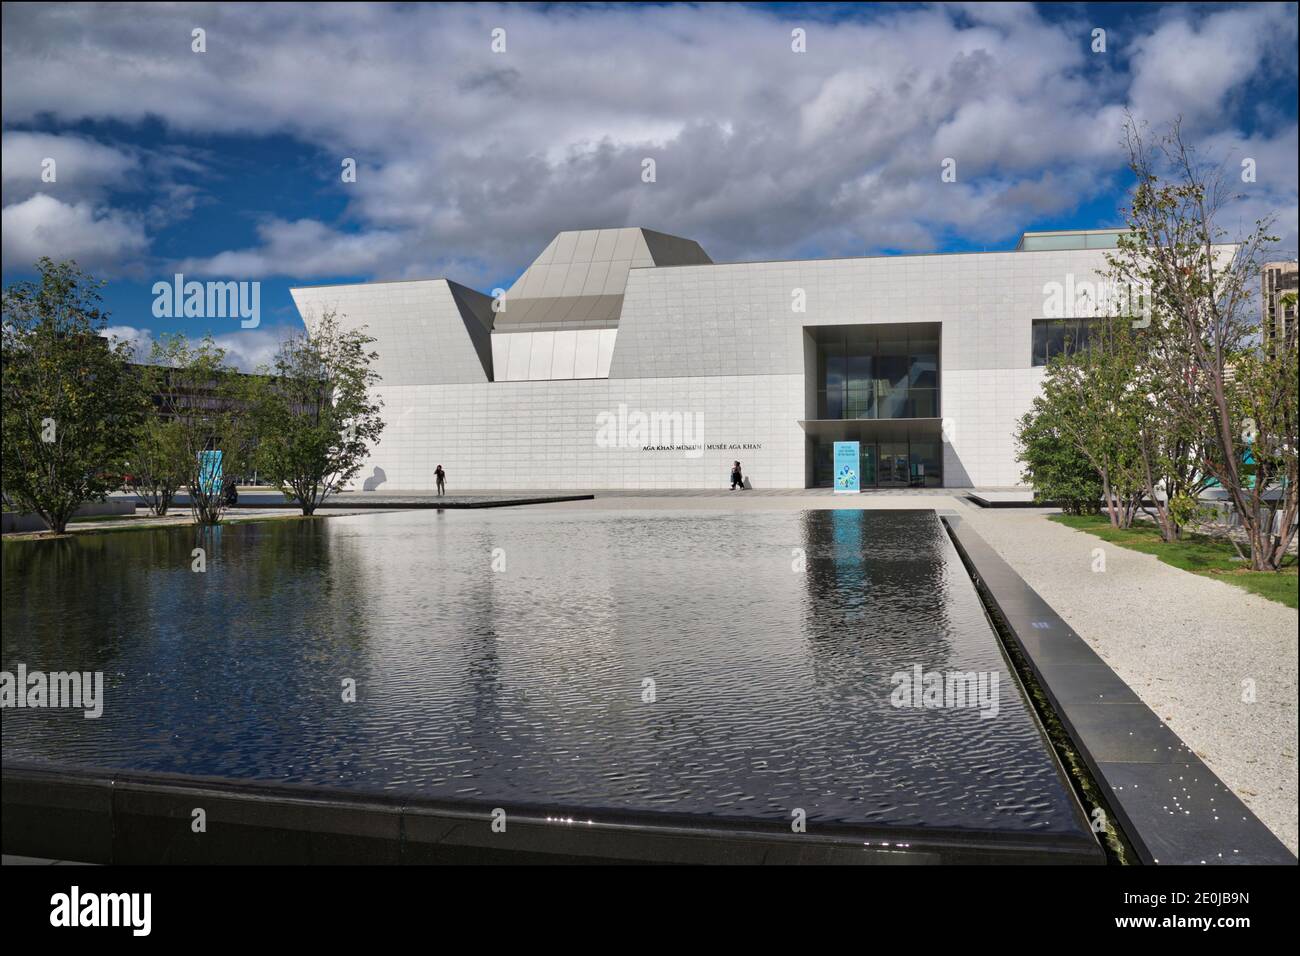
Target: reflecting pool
{"points": [[713, 663]]}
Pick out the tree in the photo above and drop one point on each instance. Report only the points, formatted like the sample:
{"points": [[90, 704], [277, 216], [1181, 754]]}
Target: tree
{"points": [[1055, 467], [1223, 394], [201, 396], [157, 464], [70, 401], [316, 414], [1087, 399]]}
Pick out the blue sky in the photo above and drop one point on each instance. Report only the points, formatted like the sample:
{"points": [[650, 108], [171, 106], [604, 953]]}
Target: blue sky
{"points": [[226, 164]]}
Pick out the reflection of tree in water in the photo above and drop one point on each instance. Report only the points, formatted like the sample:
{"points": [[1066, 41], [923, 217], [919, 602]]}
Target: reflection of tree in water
{"points": [[58, 594], [224, 670]]}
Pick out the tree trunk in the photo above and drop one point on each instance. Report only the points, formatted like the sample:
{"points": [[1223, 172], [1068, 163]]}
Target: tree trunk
{"points": [[57, 520], [1109, 499]]}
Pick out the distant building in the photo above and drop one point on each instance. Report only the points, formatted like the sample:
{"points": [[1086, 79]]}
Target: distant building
{"points": [[1278, 279]]}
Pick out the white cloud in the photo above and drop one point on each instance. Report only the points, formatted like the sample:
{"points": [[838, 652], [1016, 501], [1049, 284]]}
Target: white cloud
{"points": [[471, 160], [140, 340], [83, 168], [97, 237], [1190, 69], [303, 249]]}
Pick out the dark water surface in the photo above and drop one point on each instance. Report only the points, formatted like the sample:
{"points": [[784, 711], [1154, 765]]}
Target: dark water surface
{"points": [[772, 684]]}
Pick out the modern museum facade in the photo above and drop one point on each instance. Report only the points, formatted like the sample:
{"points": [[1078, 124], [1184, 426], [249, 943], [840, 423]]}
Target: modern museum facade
{"points": [[626, 358]]}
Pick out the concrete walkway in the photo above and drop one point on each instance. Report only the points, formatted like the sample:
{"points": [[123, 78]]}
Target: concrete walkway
{"points": [[940, 499]]}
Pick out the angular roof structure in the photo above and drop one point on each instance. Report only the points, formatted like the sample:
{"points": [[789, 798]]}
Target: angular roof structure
{"points": [[427, 331], [578, 280]]}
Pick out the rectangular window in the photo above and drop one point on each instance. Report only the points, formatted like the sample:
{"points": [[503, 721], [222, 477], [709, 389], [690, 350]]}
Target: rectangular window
{"points": [[1053, 337]]}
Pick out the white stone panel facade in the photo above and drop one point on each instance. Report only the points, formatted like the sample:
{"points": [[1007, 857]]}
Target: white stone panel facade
{"points": [[527, 435], [507, 406]]}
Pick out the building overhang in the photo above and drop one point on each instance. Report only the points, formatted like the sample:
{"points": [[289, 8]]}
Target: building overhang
{"points": [[874, 429]]}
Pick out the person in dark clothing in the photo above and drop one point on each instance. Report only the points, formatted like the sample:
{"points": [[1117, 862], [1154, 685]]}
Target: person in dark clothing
{"points": [[441, 475], [736, 477], [231, 492]]}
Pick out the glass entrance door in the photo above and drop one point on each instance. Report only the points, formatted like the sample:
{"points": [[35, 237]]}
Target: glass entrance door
{"points": [[893, 465], [867, 464]]}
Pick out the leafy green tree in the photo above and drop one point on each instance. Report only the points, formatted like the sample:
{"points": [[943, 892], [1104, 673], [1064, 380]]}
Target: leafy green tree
{"points": [[1054, 466], [202, 397], [1088, 400], [1232, 402], [71, 403], [316, 413], [158, 461]]}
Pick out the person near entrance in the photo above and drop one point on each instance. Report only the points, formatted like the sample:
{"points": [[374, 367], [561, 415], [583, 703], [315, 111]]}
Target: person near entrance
{"points": [[441, 476], [737, 478]]}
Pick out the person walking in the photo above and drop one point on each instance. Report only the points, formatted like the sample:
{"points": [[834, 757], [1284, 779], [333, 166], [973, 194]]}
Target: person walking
{"points": [[736, 477], [441, 475]]}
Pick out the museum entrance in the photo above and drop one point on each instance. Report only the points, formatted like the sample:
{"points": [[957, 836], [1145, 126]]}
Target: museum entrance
{"points": [[893, 465], [877, 385], [913, 461]]}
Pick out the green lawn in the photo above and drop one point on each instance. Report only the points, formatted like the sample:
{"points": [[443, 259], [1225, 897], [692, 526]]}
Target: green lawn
{"points": [[1196, 553]]}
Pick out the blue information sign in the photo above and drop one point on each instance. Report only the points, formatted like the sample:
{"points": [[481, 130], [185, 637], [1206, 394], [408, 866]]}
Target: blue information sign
{"points": [[210, 472], [847, 477]]}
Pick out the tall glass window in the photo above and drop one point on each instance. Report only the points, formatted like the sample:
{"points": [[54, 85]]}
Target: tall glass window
{"points": [[884, 371]]}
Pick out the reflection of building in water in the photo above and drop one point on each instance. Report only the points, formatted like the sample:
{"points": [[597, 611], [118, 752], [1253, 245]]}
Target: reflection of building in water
{"points": [[880, 583], [487, 624]]}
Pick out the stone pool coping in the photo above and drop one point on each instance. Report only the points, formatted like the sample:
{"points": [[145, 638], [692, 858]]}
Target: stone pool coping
{"points": [[145, 818], [1170, 806], [990, 500], [398, 502]]}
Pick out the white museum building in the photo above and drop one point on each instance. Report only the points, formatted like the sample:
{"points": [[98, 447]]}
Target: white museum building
{"points": [[627, 358]]}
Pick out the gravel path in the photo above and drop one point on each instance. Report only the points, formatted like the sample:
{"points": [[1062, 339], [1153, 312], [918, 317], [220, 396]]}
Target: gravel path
{"points": [[1183, 642]]}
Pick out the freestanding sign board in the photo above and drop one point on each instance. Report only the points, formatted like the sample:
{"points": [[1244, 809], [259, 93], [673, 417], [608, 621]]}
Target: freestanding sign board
{"points": [[210, 472], [847, 478]]}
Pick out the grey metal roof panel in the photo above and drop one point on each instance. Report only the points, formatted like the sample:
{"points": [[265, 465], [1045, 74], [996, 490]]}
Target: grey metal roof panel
{"points": [[581, 275]]}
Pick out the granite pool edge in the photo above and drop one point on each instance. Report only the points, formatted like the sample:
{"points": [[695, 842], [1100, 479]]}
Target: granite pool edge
{"points": [[983, 502], [396, 502], [1144, 769], [147, 818]]}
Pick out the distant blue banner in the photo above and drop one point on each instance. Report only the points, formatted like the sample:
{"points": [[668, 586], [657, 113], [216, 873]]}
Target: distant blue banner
{"points": [[210, 472], [847, 477]]}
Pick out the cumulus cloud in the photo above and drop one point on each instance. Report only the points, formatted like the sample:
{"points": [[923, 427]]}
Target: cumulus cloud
{"points": [[471, 160], [1191, 68], [67, 195], [96, 237], [82, 167], [304, 249]]}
